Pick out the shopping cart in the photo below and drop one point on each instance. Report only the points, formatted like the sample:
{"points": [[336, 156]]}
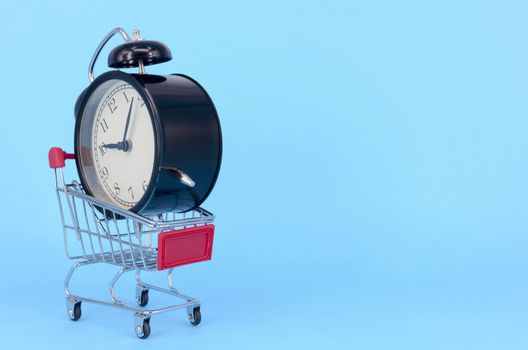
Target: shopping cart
{"points": [[97, 232]]}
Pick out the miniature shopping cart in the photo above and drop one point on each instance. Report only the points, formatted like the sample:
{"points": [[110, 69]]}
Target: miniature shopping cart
{"points": [[102, 233]]}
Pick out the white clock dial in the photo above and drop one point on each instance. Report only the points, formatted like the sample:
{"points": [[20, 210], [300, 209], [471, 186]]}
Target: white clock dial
{"points": [[122, 144]]}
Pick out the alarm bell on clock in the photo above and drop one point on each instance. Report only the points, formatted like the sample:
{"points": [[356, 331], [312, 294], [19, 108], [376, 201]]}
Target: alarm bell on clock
{"points": [[144, 142]]}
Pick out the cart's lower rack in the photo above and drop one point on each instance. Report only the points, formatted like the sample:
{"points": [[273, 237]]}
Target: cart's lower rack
{"points": [[141, 316]]}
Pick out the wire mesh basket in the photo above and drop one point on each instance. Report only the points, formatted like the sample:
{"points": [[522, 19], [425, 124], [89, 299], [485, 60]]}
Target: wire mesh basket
{"points": [[99, 232]]}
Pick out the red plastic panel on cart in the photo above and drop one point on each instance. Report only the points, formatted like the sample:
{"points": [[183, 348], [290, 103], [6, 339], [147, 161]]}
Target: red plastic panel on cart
{"points": [[185, 246]]}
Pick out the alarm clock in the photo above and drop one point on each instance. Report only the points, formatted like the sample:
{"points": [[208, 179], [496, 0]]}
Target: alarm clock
{"points": [[143, 142]]}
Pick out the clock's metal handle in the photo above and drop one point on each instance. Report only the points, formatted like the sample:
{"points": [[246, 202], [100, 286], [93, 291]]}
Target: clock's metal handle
{"points": [[100, 48]]}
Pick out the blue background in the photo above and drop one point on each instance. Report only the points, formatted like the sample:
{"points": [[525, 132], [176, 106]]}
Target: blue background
{"points": [[374, 185]]}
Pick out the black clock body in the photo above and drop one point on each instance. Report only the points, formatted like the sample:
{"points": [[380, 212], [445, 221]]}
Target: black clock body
{"points": [[187, 138]]}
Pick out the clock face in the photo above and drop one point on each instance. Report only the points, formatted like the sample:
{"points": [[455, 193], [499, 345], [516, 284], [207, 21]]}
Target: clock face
{"points": [[117, 144]]}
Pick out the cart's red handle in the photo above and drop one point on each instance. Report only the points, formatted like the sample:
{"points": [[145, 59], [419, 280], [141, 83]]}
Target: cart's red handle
{"points": [[57, 157]]}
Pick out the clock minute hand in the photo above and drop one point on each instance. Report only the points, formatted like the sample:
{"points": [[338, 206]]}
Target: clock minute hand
{"points": [[124, 142]]}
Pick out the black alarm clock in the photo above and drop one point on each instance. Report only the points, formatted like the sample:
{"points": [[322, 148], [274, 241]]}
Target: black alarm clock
{"points": [[146, 143]]}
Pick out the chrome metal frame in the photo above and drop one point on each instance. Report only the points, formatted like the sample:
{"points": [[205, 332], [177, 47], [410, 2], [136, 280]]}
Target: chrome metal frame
{"points": [[103, 233]]}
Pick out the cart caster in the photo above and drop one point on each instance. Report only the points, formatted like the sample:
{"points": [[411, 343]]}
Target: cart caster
{"points": [[195, 316], [142, 327], [74, 310], [142, 297]]}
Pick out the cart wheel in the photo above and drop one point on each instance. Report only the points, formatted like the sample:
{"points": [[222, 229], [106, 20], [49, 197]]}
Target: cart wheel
{"points": [[75, 312], [143, 330], [143, 299], [196, 316]]}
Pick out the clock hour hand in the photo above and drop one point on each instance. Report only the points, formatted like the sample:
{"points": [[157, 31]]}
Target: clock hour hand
{"points": [[122, 146]]}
